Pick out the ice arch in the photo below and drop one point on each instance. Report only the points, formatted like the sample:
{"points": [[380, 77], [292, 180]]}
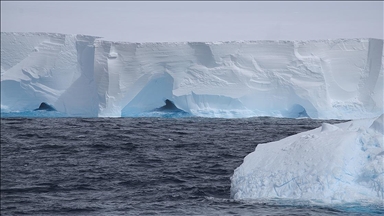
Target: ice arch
{"points": [[154, 93], [296, 111]]}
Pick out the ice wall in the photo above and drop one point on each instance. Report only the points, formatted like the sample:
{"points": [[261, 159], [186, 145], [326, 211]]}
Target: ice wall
{"points": [[83, 75], [46, 67], [341, 163]]}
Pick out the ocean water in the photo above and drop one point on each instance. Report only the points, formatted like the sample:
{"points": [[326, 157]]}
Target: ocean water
{"points": [[140, 166]]}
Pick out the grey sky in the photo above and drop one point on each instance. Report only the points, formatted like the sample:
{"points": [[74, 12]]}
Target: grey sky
{"points": [[197, 21]]}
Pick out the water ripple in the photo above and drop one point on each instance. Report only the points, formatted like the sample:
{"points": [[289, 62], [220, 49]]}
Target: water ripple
{"points": [[120, 166]]}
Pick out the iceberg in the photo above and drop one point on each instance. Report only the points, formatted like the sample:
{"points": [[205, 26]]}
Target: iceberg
{"points": [[86, 76], [333, 164], [54, 68]]}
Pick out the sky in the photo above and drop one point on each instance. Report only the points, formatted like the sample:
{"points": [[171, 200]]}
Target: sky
{"points": [[177, 21]]}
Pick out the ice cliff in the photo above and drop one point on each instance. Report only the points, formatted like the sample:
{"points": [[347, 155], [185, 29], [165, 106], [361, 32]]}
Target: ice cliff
{"points": [[86, 76], [341, 163]]}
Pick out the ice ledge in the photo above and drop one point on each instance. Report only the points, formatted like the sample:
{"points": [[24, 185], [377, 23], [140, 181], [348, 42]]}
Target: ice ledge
{"points": [[100, 38], [46, 34], [338, 40]]}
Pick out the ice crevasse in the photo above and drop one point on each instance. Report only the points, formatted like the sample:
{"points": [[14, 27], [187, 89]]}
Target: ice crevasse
{"points": [[86, 76], [342, 163]]}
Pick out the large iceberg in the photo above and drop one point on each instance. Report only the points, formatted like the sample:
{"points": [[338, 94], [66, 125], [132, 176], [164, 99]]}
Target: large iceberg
{"points": [[86, 76], [53, 68], [332, 164]]}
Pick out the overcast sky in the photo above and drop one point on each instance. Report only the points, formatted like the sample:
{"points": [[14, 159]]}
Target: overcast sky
{"points": [[197, 21]]}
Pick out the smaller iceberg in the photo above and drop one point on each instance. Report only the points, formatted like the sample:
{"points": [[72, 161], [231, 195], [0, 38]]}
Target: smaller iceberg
{"points": [[46, 107], [169, 110], [169, 107], [44, 111], [333, 164]]}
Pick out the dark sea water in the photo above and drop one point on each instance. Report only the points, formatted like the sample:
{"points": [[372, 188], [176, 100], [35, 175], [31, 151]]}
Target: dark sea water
{"points": [[138, 166]]}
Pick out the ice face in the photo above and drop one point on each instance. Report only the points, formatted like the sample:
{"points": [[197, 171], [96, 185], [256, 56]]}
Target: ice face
{"points": [[85, 76], [52, 68], [331, 164]]}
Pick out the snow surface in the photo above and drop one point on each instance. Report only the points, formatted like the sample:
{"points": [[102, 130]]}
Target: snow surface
{"points": [[86, 76], [331, 164]]}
